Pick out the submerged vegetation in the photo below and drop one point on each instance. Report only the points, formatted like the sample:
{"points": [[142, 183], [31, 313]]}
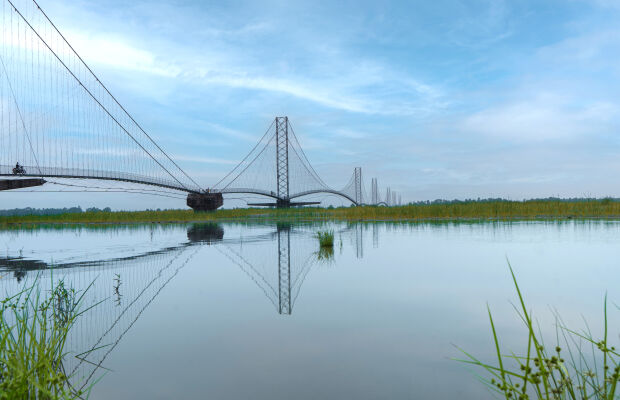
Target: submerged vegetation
{"points": [[326, 246], [34, 325], [439, 210], [579, 367]]}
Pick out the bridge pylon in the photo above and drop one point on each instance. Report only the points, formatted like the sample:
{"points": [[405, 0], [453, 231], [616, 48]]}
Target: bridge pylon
{"points": [[282, 162], [374, 189], [358, 186], [294, 175], [283, 199]]}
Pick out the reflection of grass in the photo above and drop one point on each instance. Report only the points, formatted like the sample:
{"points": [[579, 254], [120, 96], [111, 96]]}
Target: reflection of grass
{"points": [[571, 373], [529, 209], [325, 254], [33, 332], [326, 239]]}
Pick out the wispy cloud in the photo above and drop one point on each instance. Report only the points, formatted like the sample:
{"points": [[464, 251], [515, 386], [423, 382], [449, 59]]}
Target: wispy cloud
{"points": [[359, 86], [119, 53], [204, 160], [542, 119]]}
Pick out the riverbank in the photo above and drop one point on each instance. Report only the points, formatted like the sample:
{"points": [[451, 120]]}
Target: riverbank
{"points": [[473, 210]]}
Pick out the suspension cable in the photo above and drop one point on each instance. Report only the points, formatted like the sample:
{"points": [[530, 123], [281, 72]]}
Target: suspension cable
{"points": [[21, 117], [92, 95], [117, 188], [112, 96], [306, 158], [247, 166], [246, 157]]}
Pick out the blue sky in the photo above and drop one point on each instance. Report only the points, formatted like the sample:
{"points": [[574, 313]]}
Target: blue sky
{"points": [[441, 99]]}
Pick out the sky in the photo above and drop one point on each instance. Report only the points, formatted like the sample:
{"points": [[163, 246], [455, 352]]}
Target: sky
{"points": [[442, 99]]}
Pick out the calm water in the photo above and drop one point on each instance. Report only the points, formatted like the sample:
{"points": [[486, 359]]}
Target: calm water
{"points": [[233, 311]]}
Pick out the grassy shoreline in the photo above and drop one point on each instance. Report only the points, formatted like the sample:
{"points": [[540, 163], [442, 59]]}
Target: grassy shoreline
{"points": [[474, 210]]}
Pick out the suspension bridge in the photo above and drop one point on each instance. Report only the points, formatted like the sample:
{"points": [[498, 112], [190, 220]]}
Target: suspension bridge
{"points": [[60, 123]]}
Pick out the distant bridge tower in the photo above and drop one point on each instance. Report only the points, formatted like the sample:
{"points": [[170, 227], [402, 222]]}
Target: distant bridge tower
{"points": [[284, 269], [358, 186], [282, 161], [374, 191]]}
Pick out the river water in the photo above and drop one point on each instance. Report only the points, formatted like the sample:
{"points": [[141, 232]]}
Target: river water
{"points": [[239, 311]]}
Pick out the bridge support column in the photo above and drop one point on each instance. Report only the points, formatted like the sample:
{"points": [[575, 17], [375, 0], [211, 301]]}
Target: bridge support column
{"points": [[205, 201], [283, 203], [282, 162]]}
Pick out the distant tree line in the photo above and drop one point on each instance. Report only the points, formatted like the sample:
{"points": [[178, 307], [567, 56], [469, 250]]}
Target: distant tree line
{"points": [[500, 200], [17, 212]]}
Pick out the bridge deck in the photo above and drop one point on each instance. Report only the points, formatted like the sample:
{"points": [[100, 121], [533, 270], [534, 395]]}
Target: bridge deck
{"points": [[74, 173]]}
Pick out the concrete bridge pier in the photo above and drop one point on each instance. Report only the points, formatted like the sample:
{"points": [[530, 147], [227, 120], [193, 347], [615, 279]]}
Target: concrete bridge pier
{"points": [[205, 201]]}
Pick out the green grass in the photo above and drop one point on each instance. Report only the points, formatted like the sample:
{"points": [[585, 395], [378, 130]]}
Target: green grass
{"points": [[326, 239], [578, 367], [531, 209], [34, 325]]}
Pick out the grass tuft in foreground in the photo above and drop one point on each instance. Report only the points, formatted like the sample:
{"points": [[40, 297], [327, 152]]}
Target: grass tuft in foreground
{"points": [[567, 371], [326, 239], [34, 325]]}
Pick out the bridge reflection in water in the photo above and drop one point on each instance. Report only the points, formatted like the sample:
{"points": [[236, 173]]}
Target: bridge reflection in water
{"points": [[122, 288]]}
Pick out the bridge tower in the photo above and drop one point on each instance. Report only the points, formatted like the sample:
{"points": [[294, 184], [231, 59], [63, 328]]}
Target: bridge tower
{"points": [[374, 191], [282, 162], [358, 186]]}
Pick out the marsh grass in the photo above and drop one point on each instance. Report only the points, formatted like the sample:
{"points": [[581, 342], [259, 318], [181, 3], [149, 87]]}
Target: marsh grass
{"points": [[578, 367], [528, 209], [326, 239], [34, 325]]}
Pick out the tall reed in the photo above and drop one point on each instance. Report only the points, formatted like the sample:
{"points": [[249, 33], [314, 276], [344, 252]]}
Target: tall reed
{"points": [[500, 209], [326, 238], [34, 325], [565, 372]]}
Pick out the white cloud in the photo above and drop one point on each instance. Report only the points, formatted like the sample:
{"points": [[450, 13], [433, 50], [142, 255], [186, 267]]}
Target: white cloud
{"points": [[358, 87], [314, 93], [117, 53], [600, 45], [225, 131], [542, 118]]}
